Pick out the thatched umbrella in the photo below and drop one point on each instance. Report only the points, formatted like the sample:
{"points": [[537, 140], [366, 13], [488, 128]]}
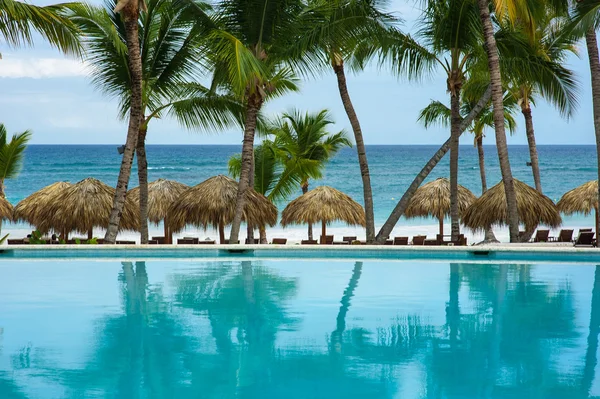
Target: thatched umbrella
{"points": [[323, 204], [433, 199], [582, 199], [85, 205], [6, 210], [533, 207], [212, 203], [161, 195], [33, 209]]}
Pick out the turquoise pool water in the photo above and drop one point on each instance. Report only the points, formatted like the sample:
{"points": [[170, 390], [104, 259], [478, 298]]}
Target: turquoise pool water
{"points": [[280, 328]]}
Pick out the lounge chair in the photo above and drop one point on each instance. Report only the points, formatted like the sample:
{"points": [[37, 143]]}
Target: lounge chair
{"points": [[253, 241], [349, 239], [431, 242], [16, 241], [418, 240], [125, 242], [279, 241], [327, 240], [400, 240], [541, 236], [206, 242], [585, 239], [563, 236], [187, 240], [341, 243], [308, 242], [158, 239]]}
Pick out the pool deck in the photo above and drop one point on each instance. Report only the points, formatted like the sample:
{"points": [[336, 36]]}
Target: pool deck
{"points": [[547, 252]]}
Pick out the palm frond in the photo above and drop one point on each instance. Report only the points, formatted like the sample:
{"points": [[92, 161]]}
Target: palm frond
{"points": [[12, 154], [435, 113]]}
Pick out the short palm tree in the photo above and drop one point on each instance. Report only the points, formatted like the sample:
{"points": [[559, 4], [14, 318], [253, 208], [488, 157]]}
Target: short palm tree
{"points": [[271, 179], [451, 29], [170, 54], [307, 145], [19, 20], [11, 155], [246, 49], [340, 32]]}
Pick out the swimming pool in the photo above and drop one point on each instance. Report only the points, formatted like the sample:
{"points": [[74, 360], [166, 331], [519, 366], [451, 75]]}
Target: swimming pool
{"points": [[252, 327]]}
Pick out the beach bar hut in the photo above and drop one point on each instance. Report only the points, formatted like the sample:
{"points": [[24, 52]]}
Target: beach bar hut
{"points": [[323, 204], [161, 195], [582, 199], [34, 209], [534, 208], [433, 200], [212, 203], [85, 205]]}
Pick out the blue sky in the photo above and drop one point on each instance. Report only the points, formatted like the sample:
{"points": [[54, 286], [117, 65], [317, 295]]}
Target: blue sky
{"points": [[51, 95]]}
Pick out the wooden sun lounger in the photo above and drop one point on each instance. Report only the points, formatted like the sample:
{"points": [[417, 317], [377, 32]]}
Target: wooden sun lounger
{"points": [[563, 236], [400, 240], [541, 236], [125, 242], [308, 242], [418, 240], [279, 241], [585, 239], [327, 240], [256, 241], [16, 241], [349, 239]]}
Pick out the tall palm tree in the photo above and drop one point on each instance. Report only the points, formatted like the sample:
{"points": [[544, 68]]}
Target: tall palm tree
{"points": [[19, 20], [129, 10], [246, 49], [551, 45], [451, 29], [336, 32], [307, 145], [170, 51]]}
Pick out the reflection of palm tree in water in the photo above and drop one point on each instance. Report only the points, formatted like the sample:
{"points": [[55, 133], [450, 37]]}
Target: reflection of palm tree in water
{"points": [[336, 335], [592, 341]]}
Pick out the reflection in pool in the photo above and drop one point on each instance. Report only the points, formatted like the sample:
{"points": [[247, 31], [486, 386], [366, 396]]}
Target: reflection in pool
{"points": [[297, 329]]}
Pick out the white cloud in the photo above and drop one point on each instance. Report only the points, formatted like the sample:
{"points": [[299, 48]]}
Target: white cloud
{"points": [[38, 68]]}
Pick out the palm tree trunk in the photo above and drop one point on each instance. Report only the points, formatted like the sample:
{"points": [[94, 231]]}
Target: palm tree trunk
{"points": [[130, 14], [489, 233], [253, 106], [142, 163], [360, 148], [304, 187], [454, 135], [592, 48], [400, 207], [221, 233], [167, 233], [481, 155], [453, 311], [592, 340], [249, 227], [498, 104], [262, 233], [533, 155], [90, 233]]}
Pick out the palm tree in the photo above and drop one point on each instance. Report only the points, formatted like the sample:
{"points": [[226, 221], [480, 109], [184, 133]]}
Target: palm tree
{"points": [[271, 179], [19, 20], [350, 31], [11, 155], [246, 47], [557, 84], [130, 10], [451, 29], [170, 57], [307, 146]]}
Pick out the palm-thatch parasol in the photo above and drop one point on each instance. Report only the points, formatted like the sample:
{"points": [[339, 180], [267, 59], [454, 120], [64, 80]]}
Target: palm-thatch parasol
{"points": [[582, 199], [212, 203], [323, 204], [6, 209], [534, 208], [433, 199], [161, 195], [85, 205], [33, 209]]}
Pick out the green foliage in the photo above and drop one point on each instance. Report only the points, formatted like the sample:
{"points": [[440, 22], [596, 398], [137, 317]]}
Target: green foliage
{"points": [[93, 241], [36, 238], [12, 152], [3, 239], [19, 20]]}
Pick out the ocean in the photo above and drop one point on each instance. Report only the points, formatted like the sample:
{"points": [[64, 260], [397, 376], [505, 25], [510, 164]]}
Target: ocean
{"points": [[392, 170]]}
